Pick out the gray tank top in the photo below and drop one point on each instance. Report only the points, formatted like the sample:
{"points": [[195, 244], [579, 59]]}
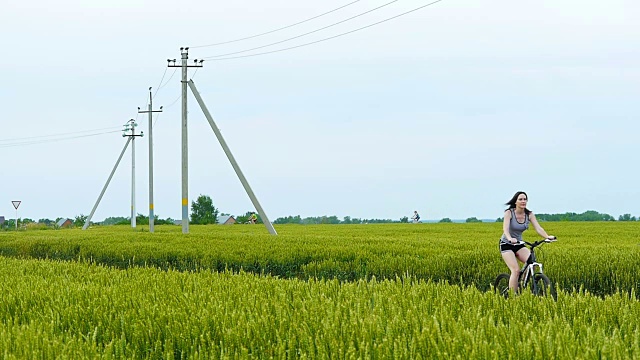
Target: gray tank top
{"points": [[515, 228]]}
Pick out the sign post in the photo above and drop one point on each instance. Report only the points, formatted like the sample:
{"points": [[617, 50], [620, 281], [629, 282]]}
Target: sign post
{"points": [[16, 203]]}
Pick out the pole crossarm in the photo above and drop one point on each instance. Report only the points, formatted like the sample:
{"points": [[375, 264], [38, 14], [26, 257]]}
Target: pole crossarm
{"points": [[185, 52], [131, 126], [152, 111]]}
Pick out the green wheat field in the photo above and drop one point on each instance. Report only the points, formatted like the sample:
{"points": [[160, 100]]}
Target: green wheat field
{"points": [[384, 291]]}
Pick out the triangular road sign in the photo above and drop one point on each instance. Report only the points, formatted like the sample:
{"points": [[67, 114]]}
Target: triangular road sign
{"points": [[16, 204]]}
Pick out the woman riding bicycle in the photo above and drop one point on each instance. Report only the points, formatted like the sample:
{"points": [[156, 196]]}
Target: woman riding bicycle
{"points": [[516, 220]]}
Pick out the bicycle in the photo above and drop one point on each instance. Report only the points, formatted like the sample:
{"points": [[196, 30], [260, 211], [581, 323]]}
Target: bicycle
{"points": [[531, 275]]}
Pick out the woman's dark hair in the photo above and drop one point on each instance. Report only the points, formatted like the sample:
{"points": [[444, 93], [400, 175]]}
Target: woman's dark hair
{"points": [[512, 203]]}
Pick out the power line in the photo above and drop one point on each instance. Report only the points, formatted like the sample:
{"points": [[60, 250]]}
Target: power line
{"points": [[194, 73], [163, 85], [36, 142], [160, 84], [168, 106], [329, 38], [53, 135], [174, 101], [43, 139], [146, 103], [157, 117], [282, 28], [179, 96], [305, 34]]}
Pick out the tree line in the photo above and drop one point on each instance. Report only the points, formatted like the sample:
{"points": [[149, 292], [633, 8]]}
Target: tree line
{"points": [[590, 215], [569, 216], [203, 212]]}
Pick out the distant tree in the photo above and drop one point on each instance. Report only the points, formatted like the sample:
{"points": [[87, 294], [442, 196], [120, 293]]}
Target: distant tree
{"points": [[167, 221], [445, 220], [330, 220], [144, 220], [10, 224], [203, 211], [80, 220], [590, 215], [499, 219], [473, 220], [626, 217], [287, 220], [404, 219], [115, 220], [378, 221], [311, 220]]}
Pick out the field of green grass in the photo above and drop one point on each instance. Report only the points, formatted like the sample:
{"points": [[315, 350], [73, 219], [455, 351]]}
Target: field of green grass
{"points": [[342, 291]]}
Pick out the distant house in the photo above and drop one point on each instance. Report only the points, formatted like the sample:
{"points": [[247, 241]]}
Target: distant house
{"points": [[1, 220], [226, 220], [64, 223]]}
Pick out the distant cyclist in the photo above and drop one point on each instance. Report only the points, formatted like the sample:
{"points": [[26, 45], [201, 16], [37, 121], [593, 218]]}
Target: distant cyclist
{"points": [[253, 218], [516, 220], [416, 216]]}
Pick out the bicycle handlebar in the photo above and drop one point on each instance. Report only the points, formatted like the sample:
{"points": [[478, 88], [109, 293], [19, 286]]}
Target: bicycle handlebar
{"points": [[543, 241]]}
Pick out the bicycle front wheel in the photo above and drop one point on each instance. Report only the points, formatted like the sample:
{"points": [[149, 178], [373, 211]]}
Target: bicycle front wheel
{"points": [[542, 286], [501, 285]]}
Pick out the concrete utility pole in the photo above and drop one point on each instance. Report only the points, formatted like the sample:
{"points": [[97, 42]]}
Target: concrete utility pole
{"points": [[150, 112], [184, 51], [131, 126], [88, 221]]}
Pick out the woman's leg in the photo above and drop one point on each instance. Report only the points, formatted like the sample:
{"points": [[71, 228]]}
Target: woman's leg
{"points": [[511, 261], [523, 254]]}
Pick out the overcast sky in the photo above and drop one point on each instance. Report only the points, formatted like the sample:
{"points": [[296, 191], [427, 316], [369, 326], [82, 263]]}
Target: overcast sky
{"points": [[447, 110]]}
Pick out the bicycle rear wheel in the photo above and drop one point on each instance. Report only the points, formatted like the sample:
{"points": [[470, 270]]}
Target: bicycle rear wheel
{"points": [[501, 285], [542, 286]]}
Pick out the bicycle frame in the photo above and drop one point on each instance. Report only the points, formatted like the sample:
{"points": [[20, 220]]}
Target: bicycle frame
{"points": [[532, 267], [529, 270]]}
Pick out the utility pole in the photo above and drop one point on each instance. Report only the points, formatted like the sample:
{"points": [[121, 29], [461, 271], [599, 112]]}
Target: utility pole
{"points": [[150, 112], [131, 126], [184, 51]]}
